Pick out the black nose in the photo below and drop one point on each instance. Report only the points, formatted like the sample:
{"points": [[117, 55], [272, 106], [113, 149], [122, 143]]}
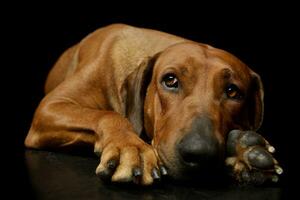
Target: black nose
{"points": [[199, 146], [196, 149]]}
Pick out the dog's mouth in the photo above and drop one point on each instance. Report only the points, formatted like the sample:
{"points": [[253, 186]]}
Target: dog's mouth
{"points": [[184, 170]]}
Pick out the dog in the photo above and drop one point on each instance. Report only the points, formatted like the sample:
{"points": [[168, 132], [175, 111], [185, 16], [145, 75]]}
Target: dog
{"points": [[199, 106]]}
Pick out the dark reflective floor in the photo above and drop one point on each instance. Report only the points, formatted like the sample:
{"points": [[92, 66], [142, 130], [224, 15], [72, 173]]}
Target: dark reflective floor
{"points": [[63, 176]]}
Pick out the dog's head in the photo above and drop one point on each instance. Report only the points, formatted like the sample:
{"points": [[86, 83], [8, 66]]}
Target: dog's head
{"points": [[196, 95]]}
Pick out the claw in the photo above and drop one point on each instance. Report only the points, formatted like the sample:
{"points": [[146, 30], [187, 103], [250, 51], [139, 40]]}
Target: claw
{"points": [[111, 164], [246, 176], [163, 170], [270, 148], [137, 172], [275, 179], [97, 152], [155, 174], [278, 169], [105, 175], [258, 178]]}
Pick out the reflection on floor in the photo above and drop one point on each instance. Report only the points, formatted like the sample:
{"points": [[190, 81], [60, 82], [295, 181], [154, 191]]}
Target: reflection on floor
{"points": [[63, 176]]}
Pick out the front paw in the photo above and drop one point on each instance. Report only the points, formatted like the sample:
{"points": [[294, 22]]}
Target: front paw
{"points": [[250, 158], [129, 160]]}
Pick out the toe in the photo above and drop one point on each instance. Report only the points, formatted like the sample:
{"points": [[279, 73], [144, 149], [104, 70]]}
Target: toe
{"points": [[251, 138], [232, 139], [258, 157], [129, 165], [108, 163], [150, 167]]}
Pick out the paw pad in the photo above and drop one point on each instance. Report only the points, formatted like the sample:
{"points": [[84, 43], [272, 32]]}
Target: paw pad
{"points": [[258, 157], [250, 158]]}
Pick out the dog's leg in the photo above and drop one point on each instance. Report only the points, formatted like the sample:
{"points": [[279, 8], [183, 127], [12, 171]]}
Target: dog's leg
{"points": [[124, 156], [250, 158]]}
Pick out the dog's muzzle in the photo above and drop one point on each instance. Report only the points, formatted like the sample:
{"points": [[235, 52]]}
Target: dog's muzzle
{"points": [[199, 148]]}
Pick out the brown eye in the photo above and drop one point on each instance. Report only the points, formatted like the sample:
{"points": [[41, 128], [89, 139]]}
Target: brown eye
{"points": [[170, 82], [233, 92]]}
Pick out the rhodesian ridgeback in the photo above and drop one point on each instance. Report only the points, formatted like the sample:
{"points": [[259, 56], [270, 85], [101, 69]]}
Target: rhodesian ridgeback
{"points": [[198, 105]]}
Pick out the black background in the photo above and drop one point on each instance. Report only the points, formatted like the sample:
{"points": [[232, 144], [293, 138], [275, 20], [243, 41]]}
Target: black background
{"points": [[35, 35]]}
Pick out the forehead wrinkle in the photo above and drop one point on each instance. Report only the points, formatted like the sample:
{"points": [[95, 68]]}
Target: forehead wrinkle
{"points": [[210, 71], [237, 69], [229, 60]]}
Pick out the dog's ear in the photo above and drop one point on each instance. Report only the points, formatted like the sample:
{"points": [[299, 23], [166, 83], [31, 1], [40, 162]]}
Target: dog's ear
{"points": [[136, 87], [254, 105]]}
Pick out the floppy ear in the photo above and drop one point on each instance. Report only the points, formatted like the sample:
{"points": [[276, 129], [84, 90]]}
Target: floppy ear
{"points": [[254, 105], [136, 86]]}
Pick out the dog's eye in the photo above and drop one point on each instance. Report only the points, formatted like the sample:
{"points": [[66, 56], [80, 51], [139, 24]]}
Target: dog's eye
{"points": [[170, 81], [233, 92]]}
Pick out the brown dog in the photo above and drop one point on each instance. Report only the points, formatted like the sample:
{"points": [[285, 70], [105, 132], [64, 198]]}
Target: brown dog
{"points": [[121, 80]]}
